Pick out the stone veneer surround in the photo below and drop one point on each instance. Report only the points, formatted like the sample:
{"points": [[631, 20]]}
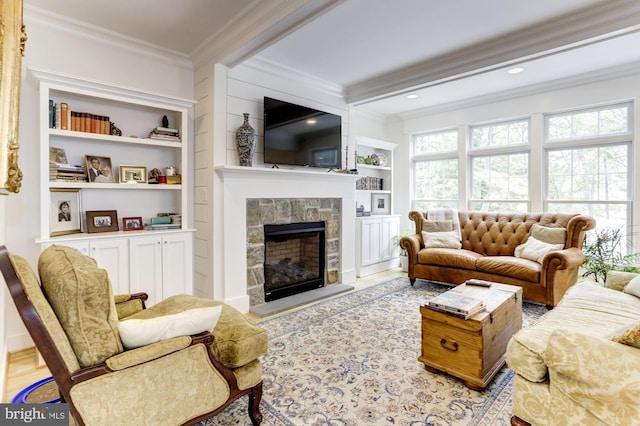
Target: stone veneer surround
{"points": [[267, 211]]}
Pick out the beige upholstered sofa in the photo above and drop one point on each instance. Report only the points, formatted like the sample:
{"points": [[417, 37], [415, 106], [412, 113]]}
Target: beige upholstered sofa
{"points": [[117, 363], [580, 363], [495, 247]]}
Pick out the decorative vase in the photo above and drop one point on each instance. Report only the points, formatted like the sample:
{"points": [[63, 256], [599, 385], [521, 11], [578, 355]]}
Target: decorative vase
{"points": [[245, 141]]}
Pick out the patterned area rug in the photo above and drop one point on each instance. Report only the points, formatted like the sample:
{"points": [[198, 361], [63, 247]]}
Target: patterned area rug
{"points": [[352, 361]]}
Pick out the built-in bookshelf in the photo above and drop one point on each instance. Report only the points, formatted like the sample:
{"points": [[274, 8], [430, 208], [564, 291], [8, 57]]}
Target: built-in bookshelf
{"points": [[147, 137], [374, 161]]}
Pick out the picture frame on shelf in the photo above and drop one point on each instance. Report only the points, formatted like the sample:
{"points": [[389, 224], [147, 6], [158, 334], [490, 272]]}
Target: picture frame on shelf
{"points": [[102, 221], [133, 174], [132, 223], [380, 203], [64, 212], [99, 169]]}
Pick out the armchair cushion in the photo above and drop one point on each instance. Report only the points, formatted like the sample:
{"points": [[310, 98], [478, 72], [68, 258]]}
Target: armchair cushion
{"points": [[147, 353], [80, 294], [141, 332]]}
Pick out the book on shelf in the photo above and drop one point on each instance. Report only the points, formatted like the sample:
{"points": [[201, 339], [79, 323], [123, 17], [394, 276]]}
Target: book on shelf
{"points": [[159, 226], [455, 302], [444, 311]]}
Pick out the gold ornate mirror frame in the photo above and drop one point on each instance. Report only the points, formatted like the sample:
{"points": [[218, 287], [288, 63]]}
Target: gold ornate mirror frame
{"points": [[12, 41]]}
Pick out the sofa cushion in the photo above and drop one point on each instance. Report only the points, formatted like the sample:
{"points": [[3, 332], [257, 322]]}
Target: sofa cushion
{"points": [[508, 266], [237, 341], [536, 250], [456, 258], [585, 306], [448, 239], [549, 235], [80, 294]]}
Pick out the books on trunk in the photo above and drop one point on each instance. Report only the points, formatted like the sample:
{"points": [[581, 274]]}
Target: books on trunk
{"points": [[456, 303]]}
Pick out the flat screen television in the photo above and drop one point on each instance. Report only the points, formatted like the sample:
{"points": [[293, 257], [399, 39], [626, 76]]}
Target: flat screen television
{"points": [[301, 136]]}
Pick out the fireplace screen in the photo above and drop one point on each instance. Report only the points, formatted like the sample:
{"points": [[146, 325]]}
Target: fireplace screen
{"points": [[294, 258]]}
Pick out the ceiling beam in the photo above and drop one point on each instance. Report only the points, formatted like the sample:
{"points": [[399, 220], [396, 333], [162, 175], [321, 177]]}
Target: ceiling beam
{"points": [[605, 20]]}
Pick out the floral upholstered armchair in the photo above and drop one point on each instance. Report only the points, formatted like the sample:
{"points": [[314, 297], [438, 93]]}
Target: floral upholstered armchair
{"points": [[116, 363]]}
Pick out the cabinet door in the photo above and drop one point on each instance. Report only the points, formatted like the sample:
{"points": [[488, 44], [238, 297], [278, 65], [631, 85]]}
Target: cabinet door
{"points": [[371, 251], [146, 267], [177, 264], [390, 227], [113, 255]]}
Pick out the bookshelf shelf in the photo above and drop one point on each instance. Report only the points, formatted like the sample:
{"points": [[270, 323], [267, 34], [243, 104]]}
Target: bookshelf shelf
{"points": [[57, 133]]}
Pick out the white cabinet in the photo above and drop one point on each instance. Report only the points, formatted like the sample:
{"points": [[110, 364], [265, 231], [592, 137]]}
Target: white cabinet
{"points": [[375, 249], [162, 265]]}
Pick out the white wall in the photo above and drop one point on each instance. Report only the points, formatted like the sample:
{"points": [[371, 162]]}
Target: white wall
{"points": [[622, 87], [61, 46]]}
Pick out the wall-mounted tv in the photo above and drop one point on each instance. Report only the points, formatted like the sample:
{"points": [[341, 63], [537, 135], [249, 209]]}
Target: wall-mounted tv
{"points": [[301, 136]]}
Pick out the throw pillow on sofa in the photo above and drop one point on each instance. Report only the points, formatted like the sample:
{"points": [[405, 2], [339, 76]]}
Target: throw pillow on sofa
{"points": [[549, 235], [535, 250], [437, 225], [633, 287], [449, 239]]}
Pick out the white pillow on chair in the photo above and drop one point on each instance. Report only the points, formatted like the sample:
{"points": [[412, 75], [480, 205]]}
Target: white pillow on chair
{"points": [[141, 332]]}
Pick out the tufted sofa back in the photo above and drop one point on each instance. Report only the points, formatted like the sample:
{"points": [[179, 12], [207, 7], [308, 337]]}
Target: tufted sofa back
{"points": [[498, 234]]}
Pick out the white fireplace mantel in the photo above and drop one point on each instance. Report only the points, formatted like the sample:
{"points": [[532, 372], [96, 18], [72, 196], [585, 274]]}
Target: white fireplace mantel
{"points": [[241, 183]]}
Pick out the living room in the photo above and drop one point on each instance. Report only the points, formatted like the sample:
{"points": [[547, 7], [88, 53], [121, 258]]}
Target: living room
{"points": [[220, 95]]}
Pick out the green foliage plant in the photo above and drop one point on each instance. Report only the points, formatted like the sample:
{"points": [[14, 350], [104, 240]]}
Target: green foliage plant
{"points": [[396, 241], [604, 251]]}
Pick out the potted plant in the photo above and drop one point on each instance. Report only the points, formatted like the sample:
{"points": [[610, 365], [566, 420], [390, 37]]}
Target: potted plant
{"points": [[404, 259], [603, 251]]}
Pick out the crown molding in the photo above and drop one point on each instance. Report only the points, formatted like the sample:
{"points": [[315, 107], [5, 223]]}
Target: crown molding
{"points": [[62, 24], [621, 71], [264, 65], [259, 25], [609, 19]]}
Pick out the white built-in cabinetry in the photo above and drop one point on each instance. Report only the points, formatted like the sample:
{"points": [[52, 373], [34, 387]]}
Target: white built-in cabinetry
{"points": [[375, 248], [132, 265]]}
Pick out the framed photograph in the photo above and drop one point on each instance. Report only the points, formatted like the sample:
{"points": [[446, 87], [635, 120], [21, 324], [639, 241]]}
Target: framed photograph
{"points": [[64, 212], [99, 169], [102, 221], [133, 174], [380, 203], [132, 223]]}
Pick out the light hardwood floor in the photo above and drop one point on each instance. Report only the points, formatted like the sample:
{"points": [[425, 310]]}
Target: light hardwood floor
{"points": [[23, 369]]}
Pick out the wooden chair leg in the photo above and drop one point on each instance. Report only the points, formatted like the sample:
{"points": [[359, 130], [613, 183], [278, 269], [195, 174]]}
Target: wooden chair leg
{"points": [[254, 404], [517, 421]]}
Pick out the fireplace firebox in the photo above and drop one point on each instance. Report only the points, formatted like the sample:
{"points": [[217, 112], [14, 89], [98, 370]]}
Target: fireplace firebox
{"points": [[294, 258]]}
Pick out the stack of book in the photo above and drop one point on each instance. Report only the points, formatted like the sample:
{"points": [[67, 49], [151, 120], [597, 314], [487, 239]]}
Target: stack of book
{"points": [[61, 117], [165, 134], [66, 172], [457, 304], [161, 223]]}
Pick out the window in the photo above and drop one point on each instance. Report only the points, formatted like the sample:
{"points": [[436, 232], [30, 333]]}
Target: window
{"points": [[499, 159], [435, 170], [588, 170]]}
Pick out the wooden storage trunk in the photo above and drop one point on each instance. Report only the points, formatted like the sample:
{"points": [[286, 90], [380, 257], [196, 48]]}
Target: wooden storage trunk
{"points": [[472, 349]]}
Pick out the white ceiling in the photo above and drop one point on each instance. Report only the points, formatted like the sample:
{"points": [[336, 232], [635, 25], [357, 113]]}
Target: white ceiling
{"points": [[444, 51]]}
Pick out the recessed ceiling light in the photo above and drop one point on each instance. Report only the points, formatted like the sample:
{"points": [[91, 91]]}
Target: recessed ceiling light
{"points": [[516, 70], [311, 121], [412, 96]]}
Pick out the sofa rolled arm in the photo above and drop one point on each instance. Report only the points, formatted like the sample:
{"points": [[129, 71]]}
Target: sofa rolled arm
{"points": [[576, 228], [563, 259], [596, 373]]}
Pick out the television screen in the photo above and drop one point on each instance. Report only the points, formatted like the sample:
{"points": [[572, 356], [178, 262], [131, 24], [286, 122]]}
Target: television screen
{"points": [[301, 136]]}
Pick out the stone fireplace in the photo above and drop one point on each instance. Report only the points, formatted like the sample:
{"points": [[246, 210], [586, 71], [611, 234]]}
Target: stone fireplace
{"points": [[266, 213], [254, 197]]}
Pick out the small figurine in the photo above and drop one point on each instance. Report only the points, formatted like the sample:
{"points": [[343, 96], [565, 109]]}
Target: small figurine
{"points": [[153, 175], [114, 130], [165, 121]]}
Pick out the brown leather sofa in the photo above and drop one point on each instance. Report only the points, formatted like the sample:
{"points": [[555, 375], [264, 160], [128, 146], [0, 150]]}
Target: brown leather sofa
{"points": [[488, 246]]}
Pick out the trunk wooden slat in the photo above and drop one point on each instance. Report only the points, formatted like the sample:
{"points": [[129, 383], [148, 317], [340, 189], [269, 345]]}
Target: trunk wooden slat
{"points": [[472, 349]]}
